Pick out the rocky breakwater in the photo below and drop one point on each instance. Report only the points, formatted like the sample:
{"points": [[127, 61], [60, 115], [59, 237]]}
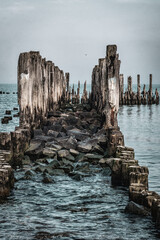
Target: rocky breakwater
{"points": [[71, 142], [127, 172]]}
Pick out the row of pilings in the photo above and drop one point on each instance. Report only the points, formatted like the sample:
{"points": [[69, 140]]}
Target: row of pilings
{"points": [[129, 97]]}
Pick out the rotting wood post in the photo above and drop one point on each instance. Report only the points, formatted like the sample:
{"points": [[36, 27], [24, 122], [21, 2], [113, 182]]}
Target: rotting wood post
{"points": [[138, 90], [121, 88], [150, 90]]}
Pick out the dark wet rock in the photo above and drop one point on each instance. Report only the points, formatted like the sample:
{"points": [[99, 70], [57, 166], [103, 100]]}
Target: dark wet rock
{"points": [[40, 160], [57, 172], [16, 115], [92, 158], [71, 120], [54, 164], [135, 208], [52, 133], [70, 158], [47, 179], [8, 112], [4, 120], [39, 169], [82, 166], [61, 134], [29, 173], [46, 235], [66, 162], [93, 128], [43, 138], [74, 152], [54, 114], [84, 147], [80, 157], [38, 132], [78, 134], [15, 109], [68, 142], [98, 149], [35, 150]]}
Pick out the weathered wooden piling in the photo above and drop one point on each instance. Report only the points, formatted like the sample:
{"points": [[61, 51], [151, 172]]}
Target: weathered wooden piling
{"points": [[121, 89], [105, 95], [138, 90], [41, 86], [150, 90]]}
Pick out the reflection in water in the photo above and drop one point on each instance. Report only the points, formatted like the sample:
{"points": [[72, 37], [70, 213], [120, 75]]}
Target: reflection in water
{"points": [[144, 136]]}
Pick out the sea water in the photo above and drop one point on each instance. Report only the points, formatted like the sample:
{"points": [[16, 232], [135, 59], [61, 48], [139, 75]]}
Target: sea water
{"points": [[86, 209]]}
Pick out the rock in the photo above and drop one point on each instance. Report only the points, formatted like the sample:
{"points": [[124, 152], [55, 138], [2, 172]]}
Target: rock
{"points": [[61, 134], [84, 147], [66, 162], [47, 179], [8, 112], [77, 177], [98, 149], [70, 158], [35, 150], [38, 132], [62, 153], [54, 164], [92, 158], [135, 208], [26, 160], [29, 173], [57, 172], [78, 134], [68, 142], [55, 147], [52, 133], [39, 169], [71, 120], [74, 152], [49, 152], [4, 120], [15, 109], [83, 167]]}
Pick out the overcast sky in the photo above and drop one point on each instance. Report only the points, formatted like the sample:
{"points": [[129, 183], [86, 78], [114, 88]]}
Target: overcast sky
{"points": [[74, 34]]}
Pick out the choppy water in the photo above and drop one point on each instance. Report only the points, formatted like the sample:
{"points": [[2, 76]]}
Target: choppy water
{"points": [[8, 102], [90, 208]]}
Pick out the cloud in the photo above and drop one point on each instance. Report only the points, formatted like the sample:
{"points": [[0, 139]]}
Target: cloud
{"points": [[139, 1], [16, 7]]}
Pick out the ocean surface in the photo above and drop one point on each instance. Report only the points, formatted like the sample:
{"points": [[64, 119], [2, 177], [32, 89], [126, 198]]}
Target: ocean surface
{"points": [[86, 209]]}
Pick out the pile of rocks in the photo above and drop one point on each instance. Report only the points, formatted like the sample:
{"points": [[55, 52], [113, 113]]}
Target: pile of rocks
{"points": [[71, 140], [127, 172]]}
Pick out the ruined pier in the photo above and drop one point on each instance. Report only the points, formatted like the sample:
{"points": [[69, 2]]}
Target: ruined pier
{"points": [[130, 97], [55, 124]]}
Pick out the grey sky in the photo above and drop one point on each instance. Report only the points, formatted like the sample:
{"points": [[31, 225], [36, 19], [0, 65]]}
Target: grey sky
{"points": [[64, 31]]}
